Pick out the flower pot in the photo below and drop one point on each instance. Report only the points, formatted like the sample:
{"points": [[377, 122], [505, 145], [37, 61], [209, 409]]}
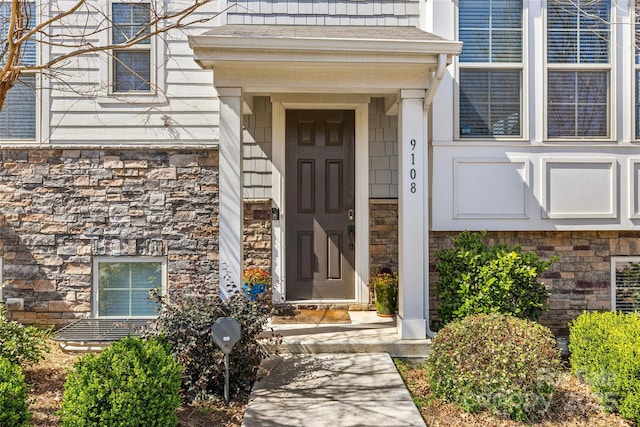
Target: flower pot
{"points": [[252, 291], [386, 297]]}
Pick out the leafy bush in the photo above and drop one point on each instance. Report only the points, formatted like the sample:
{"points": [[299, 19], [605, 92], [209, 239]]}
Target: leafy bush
{"points": [[605, 351], [131, 383], [476, 278], [14, 407], [496, 362], [184, 322], [22, 344]]}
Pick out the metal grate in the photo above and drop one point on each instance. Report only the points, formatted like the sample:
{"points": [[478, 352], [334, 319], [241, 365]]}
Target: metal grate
{"points": [[99, 330]]}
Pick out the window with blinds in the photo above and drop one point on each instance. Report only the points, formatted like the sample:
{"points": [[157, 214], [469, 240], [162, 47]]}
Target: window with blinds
{"points": [[490, 68], [578, 68], [625, 279], [123, 285], [131, 68], [18, 115]]}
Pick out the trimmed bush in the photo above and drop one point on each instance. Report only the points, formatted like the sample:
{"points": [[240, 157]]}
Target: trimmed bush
{"points": [[605, 351], [131, 383], [14, 407], [496, 362], [20, 344], [184, 322], [475, 278]]}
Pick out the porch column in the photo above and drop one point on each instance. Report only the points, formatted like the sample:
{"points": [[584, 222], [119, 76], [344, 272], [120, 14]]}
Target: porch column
{"points": [[230, 193], [413, 191]]}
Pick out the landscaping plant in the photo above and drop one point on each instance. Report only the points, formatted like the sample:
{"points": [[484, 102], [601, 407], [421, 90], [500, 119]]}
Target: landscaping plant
{"points": [[496, 362], [477, 278], [184, 322], [20, 344], [605, 351], [14, 407], [131, 383]]}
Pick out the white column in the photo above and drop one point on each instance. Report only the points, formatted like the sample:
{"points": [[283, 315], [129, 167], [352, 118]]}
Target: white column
{"points": [[413, 227], [230, 193]]}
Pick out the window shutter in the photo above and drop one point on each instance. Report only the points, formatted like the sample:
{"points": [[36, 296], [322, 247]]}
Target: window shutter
{"points": [[627, 277]]}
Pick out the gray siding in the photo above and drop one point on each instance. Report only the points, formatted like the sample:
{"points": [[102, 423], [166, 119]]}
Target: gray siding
{"points": [[256, 141], [392, 13]]}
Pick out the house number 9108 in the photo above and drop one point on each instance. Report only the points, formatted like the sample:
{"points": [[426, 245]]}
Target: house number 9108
{"points": [[412, 172]]}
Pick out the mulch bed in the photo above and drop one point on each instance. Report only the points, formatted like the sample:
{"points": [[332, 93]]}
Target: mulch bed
{"points": [[574, 405]]}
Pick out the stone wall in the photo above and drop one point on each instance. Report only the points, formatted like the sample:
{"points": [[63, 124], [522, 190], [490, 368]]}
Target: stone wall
{"points": [[60, 208], [257, 233], [383, 236], [580, 280]]}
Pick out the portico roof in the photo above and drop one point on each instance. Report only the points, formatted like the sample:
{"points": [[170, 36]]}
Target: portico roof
{"points": [[266, 57]]}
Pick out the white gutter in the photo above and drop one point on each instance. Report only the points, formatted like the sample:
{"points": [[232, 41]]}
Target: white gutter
{"points": [[435, 81], [428, 99]]}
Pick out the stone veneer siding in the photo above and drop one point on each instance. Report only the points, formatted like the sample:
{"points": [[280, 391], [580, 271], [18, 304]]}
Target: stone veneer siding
{"points": [[61, 208], [257, 233], [383, 237], [579, 280]]}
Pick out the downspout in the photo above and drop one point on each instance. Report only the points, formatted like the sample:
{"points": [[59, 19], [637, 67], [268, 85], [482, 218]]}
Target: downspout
{"points": [[428, 99]]}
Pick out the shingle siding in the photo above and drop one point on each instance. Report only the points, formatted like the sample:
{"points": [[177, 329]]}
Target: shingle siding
{"points": [[325, 12]]}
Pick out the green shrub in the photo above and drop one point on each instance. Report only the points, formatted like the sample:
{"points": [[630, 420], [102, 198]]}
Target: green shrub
{"points": [[605, 351], [131, 383], [14, 407], [475, 278], [496, 362], [184, 322], [22, 344]]}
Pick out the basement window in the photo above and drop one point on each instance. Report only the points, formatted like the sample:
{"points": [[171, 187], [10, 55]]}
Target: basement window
{"points": [[122, 285], [625, 284]]}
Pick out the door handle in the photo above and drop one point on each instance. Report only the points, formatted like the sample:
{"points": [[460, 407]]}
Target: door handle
{"points": [[351, 214], [351, 230]]}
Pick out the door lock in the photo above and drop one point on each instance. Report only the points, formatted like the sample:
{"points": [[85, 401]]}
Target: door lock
{"points": [[351, 215]]}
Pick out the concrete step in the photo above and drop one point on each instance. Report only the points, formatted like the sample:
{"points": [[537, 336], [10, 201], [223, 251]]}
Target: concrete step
{"points": [[367, 333]]}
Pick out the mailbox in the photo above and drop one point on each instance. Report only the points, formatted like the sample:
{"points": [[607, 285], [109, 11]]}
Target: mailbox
{"points": [[225, 333]]}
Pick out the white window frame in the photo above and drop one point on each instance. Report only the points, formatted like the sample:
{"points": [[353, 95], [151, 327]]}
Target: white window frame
{"points": [[614, 261], [156, 93], [635, 23], [497, 66], [580, 67], [38, 84], [123, 259]]}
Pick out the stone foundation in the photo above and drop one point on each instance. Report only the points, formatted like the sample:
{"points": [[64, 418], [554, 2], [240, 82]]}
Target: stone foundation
{"points": [[60, 208]]}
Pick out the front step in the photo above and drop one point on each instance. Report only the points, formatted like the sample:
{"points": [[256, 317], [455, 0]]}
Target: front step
{"points": [[366, 333]]}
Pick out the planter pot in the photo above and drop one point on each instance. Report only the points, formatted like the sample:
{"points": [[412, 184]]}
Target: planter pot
{"points": [[252, 291], [386, 297]]}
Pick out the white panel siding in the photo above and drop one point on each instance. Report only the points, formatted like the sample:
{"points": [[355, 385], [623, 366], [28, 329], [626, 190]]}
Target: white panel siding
{"points": [[475, 181]]}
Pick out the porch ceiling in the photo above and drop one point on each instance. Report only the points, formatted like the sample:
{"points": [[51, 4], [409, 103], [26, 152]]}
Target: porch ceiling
{"points": [[291, 58]]}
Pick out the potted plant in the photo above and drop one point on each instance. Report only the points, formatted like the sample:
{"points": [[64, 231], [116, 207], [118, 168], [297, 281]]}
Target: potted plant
{"points": [[255, 281], [385, 285]]}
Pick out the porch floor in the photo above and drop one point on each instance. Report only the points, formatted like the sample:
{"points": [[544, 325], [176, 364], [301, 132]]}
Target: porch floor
{"points": [[367, 333]]}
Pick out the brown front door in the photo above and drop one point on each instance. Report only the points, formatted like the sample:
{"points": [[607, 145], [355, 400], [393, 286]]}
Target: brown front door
{"points": [[320, 205]]}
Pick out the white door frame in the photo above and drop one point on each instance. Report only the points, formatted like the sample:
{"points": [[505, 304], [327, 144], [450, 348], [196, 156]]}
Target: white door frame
{"points": [[360, 104]]}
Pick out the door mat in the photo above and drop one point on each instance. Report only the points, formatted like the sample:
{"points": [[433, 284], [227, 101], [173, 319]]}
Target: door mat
{"points": [[314, 317]]}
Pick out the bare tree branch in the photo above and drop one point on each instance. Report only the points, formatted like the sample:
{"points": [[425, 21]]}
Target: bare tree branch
{"points": [[83, 23]]}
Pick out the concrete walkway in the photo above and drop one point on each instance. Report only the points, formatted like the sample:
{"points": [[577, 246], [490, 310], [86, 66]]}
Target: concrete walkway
{"points": [[333, 390], [336, 376]]}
